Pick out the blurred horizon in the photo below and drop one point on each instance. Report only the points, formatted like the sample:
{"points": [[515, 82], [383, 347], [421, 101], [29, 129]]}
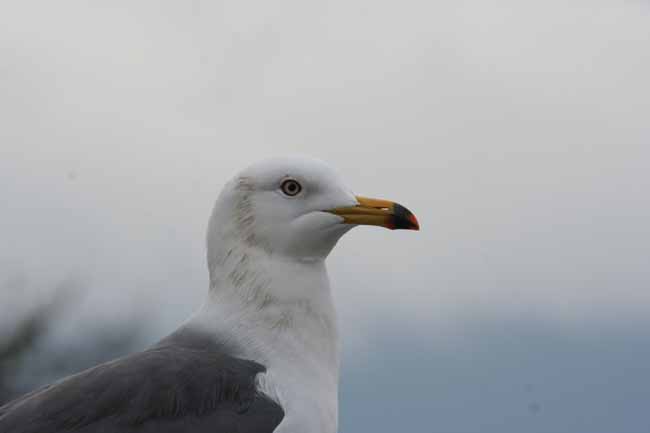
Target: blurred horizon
{"points": [[517, 133]]}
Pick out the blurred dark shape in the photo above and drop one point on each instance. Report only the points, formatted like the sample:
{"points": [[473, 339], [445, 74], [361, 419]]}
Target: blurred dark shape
{"points": [[31, 331], [534, 407]]}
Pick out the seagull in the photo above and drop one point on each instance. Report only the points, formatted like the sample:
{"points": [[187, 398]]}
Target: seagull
{"points": [[261, 354]]}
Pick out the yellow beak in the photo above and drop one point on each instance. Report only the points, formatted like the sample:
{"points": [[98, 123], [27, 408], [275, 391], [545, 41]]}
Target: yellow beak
{"points": [[376, 212]]}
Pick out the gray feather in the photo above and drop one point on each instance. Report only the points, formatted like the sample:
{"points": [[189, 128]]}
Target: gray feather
{"points": [[184, 383]]}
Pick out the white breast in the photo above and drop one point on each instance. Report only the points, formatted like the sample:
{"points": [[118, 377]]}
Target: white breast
{"points": [[302, 364], [306, 389], [297, 342]]}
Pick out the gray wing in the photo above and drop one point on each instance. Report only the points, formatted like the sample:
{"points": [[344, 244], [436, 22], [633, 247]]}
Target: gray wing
{"points": [[167, 389]]}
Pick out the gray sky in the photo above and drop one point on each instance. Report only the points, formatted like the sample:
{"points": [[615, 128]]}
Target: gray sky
{"points": [[517, 132]]}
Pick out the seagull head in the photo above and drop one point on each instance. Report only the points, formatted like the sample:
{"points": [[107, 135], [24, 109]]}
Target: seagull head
{"points": [[295, 208]]}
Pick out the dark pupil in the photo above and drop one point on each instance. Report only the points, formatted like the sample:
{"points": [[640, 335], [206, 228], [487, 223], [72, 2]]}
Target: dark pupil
{"points": [[291, 187]]}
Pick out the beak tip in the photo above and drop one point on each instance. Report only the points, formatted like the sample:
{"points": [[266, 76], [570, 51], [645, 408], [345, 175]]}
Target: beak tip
{"points": [[404, 219], [414, 221]]}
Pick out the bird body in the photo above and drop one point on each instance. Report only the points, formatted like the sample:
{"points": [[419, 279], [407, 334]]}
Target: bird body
{"points": [[295, 338], [262, 353]]}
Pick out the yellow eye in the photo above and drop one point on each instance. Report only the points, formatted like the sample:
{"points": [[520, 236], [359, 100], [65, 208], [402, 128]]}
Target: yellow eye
{"points": [[291, 187]]}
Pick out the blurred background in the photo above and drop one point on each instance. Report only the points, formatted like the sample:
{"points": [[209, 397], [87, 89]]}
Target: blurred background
{"points": [[518, 132]]}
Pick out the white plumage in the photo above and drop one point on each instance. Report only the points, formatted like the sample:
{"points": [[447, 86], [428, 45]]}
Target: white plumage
{"points": [[269, 286]]}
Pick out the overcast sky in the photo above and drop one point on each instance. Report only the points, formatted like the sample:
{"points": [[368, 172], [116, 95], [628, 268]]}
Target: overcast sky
{"points": [[517, 132]]}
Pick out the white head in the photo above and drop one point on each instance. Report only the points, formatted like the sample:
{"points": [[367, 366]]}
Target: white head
{"points": [[271, 228], [294, 209]]}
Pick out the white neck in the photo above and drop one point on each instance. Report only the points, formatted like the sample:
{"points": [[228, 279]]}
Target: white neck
{"points": [[279, 313]]}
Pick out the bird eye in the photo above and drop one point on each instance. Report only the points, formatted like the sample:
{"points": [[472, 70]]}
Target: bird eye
{"points": [[291, 187]]}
